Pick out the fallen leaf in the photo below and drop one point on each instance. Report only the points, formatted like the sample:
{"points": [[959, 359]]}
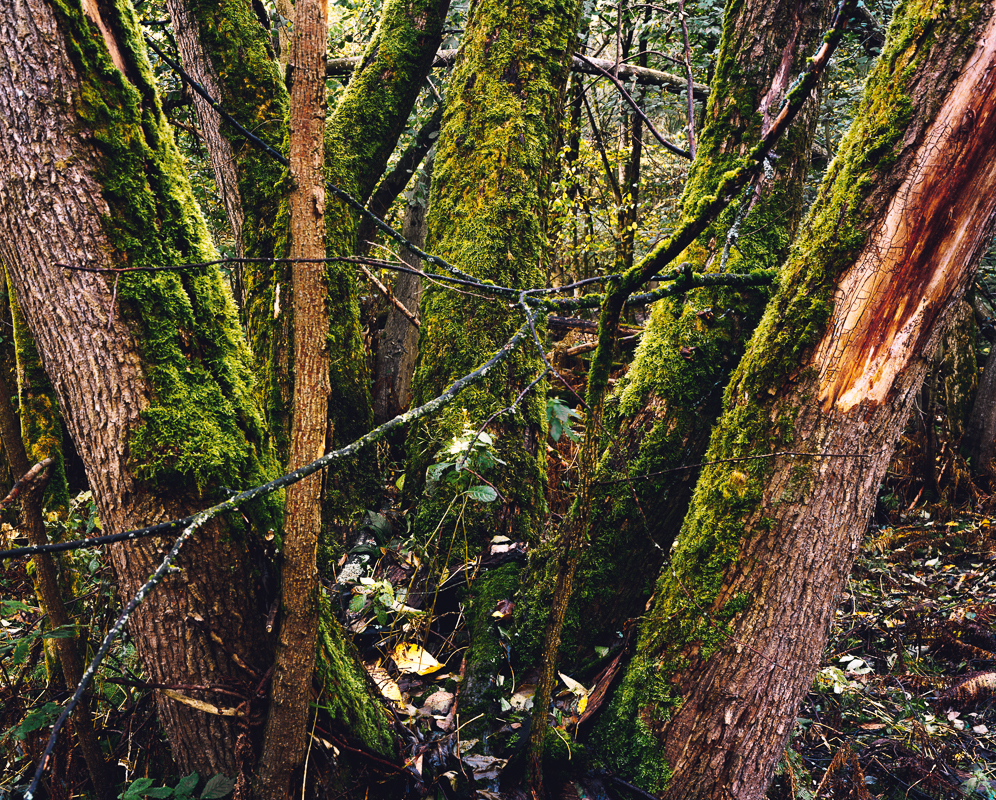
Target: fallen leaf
{"points": [[412, 658]]}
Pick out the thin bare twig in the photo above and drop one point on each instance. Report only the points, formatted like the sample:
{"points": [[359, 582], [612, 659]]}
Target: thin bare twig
{"points": [[384, 290]]}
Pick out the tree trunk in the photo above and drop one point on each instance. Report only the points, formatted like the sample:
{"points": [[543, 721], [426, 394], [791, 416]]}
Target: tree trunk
{"points": [[398, 346], [664, 408], [150, 368], [494, 160], [811, 418], [286, 728]]}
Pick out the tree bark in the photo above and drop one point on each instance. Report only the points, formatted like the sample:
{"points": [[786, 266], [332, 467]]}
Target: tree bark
{"points": [[398, 346], [150, 369], [493, 164], [286, 730], [811, 417], [663, 410]]}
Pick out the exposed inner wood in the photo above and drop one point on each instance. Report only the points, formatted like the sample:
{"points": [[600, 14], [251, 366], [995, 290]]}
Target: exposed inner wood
{"points": [[887, 302], [92, 10]]}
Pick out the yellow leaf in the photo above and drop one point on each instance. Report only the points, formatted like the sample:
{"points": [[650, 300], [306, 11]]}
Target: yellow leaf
{"points": [[412, 658]]}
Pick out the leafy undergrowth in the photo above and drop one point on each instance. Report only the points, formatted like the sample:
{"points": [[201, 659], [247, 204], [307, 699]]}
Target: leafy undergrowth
{"points": [[904, 705]]}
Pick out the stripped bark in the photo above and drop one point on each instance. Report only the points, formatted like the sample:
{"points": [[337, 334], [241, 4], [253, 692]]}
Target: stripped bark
{"points": [[286, 728], [90, 178]]}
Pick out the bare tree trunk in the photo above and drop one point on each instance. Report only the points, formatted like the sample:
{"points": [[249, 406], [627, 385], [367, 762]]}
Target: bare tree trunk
{"points": [[149, 368], [286, 729], [398, 346], [812, 415]]}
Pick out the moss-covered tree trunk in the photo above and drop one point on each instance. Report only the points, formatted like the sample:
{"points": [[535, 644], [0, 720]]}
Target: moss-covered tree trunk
{"points": [[494, 160], [224, 42], [492, 168], [150, 368], [811, 417]]}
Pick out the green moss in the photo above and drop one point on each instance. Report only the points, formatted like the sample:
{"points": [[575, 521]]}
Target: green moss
{"points": [[486, 657], [192, 348], [490, 181], [41, 420], [347, 695]]}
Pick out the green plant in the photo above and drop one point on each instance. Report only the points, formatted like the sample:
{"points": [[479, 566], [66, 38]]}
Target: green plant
{"points": [[217, 787], [472, 454], [558, 417]]}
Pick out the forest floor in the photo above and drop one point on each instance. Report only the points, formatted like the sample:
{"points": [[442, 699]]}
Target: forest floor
{"points": [[904, 705]]}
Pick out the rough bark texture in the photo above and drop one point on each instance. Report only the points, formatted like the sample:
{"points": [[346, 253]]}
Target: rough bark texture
{"points": [[493, 164], [742, 611], [286, 729], [153, 379], [47, 585]]}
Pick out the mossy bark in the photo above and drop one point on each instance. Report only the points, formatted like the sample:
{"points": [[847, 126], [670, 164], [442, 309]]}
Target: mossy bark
{"points": [[150, 368], [494, 160], [361, 135], [227, 51], [811, 416], [492, 169], [41, 422]]}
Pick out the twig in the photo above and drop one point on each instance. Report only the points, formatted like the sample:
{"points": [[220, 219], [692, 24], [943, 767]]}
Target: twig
{"points": [[231, 504], [390, 296], [691, 83], [27, 479]]}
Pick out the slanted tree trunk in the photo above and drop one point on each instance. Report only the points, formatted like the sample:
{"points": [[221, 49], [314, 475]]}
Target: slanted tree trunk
{"points": [[811, 417], [227, 41], [150, 368], [398, 345]]}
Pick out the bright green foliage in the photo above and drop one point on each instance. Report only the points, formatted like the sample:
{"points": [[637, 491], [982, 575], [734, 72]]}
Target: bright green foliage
{"points": [[492, 169], [216, 787], [729, 494], [202, 428]]}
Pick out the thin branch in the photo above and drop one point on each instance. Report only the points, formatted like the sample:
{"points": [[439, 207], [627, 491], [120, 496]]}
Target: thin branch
{"points": [[384, 290], [639, 111], [609, 172], [691, 82], [199, 519], [645, 76], [28, 479]]}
